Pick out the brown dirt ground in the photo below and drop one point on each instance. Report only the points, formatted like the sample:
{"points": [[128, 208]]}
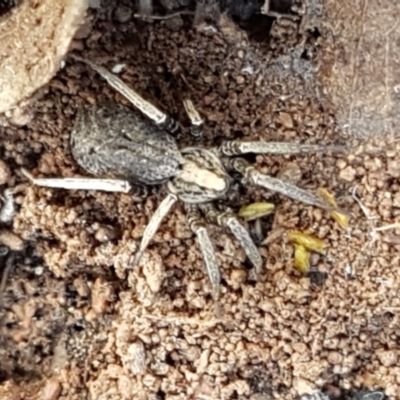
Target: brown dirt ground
{"points": [[77, 323]]}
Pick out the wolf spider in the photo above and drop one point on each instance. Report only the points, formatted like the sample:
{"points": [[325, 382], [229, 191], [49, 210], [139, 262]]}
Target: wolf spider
{"points": [[114, 142]]}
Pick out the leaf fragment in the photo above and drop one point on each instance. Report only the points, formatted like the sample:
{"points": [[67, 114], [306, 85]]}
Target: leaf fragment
{"points": [[310, 242], [327, 195], [301, 258], [341, 218], [256, 210]]}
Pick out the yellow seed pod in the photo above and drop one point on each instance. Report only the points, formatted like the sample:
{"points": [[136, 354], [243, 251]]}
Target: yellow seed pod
{"points": [[310, 242], [256, 210], [341, 219], [327, 195], [301, 258]]}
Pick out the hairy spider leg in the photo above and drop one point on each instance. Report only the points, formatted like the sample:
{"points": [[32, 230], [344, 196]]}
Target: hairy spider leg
{"points": [[237, 147], [106, 185], [252, 175], [228, 219], [153, 225], [207, 250], [152, 112], [197, 123]]}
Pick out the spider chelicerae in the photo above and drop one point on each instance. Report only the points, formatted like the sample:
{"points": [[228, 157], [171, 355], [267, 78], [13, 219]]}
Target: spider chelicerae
{"points": [[115, 143]]}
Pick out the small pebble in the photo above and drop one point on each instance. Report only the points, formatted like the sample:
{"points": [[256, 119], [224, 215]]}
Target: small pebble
{"points": [[123, 14], [51, 390], [4, 173], [348, 174], [11, 240], [118, 68], [286, 120], [105, 233], [394, 168]]}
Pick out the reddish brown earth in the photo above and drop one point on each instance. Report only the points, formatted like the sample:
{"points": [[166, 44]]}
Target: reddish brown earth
{"points": [[77, 323]]}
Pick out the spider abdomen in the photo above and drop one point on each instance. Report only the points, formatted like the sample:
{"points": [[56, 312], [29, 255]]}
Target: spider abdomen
{"points": [[111, 140]]}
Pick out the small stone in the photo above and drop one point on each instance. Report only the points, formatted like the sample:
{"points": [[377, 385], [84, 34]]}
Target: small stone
{"points": [[373, 164], [208, 99], [361, 171], [286, 120], [11, 240], [81, 287], [20, 116], [9, 390], [203, 361], [240, 80], [123, 14], [153, 270], [4, 173], [51, 390], [105, 233], [175, 24], [238, 277], [348, 174], [394, 168], [303, 386], [334, 358], [102, 294], [170, 5], [84, 30], [396, 199], [291, 173], [7, 210], [95, 4], [387, 358], [118, 68], [135, 358], [341, 164]]}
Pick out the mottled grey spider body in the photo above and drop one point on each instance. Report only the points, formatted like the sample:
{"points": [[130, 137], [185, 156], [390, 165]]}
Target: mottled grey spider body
{"points": [[113, 142]]}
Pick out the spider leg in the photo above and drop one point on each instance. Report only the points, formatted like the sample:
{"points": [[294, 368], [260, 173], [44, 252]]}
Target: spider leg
{"points": [[207, 251], [196, 130], [152, 112], [107, 185], [237, 147], [228, 219], [155, 221], [256, 177]]}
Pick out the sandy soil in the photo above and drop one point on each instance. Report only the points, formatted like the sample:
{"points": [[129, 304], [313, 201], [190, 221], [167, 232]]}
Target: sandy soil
{"points": [[78, 323]]}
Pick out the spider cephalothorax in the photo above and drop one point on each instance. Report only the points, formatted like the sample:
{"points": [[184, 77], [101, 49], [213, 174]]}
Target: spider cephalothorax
{"points": [[112, 141]]}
